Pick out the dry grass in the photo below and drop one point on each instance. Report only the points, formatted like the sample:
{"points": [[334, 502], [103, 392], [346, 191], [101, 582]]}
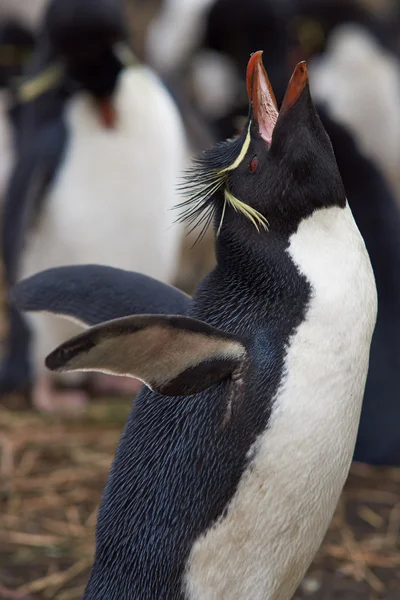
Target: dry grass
{"points": [[52, 475]]}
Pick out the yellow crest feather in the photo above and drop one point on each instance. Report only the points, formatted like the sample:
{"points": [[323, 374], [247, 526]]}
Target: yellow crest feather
{"points": [[258, 220], [32, 88]]}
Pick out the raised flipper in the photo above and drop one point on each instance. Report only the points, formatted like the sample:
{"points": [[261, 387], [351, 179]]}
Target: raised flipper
{"points": [[92, 294], [174, 356]]}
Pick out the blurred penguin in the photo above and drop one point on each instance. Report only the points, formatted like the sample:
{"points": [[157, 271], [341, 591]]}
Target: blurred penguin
{"points": [[101, 147], [209, 42], [18, 23], [351, 44], [28, 13], [16, 46], [175, 33]]}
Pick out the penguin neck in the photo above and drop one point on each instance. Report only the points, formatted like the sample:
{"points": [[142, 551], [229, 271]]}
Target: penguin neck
{"points": [[250, 254]]}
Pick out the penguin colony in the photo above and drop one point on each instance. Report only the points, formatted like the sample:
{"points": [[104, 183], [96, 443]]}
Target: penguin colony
{"points": [[95, 178], [234, 456]]}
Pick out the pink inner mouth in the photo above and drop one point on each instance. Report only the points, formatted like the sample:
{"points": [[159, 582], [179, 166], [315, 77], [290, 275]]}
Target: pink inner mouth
{"points": [[260, 92]]}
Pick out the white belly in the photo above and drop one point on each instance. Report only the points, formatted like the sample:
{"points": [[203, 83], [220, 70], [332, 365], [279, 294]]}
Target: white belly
{"points": [[112, 199], [284, 503]]}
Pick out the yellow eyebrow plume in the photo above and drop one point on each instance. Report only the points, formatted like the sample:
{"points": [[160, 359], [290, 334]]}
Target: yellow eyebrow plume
{"points": [[242, 154], [44, 81], [205, 181], [258, 220]]}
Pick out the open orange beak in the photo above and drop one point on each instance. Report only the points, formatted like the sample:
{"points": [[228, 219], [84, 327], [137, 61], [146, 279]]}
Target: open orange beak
{"points": [[108, 114], [296, 86], [261, 95]]}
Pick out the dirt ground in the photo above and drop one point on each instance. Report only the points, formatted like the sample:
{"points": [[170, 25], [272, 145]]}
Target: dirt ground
{"points": [[52, 474]]}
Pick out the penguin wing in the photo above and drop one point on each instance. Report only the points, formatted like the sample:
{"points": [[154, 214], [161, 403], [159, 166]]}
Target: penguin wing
{"points": [[92, 294], [172, 355], [34, 171]]}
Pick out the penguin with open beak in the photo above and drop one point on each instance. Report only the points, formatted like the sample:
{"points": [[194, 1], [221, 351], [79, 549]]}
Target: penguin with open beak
{"points": [[100, 151], [233, 458]]}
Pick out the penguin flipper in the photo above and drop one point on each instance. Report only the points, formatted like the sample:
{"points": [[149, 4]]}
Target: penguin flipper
{"points": [[172, 355], [92, 294]]}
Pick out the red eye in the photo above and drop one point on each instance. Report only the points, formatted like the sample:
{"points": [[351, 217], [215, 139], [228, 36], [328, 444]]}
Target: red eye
{"points": [[254, 164]]}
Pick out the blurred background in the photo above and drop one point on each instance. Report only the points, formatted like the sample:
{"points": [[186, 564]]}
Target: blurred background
{"points": [[102, 108]]}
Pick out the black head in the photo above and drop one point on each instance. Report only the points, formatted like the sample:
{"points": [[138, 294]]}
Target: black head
{"points": [[84, 35], [314, 21], [16, 47], [81, 29], [278, 172]]}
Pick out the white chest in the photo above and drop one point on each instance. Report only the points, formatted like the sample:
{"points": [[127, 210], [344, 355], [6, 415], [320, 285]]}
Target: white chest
{"points": [[283, 505], [111, 201]]}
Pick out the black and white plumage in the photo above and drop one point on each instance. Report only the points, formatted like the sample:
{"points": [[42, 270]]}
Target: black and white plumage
{"points": [[367, 116], [102, 148], [227, 492]]}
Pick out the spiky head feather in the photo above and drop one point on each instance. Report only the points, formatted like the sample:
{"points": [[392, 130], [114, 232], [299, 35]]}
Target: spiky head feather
{"points": [[209, 175]]}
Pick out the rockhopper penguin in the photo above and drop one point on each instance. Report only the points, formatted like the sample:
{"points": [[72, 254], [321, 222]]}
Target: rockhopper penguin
{"points": [[97, 172], [234, 456]]}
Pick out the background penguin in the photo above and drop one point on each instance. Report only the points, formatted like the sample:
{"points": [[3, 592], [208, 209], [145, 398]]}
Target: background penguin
{"points": [[95, 179], [174, 33], [16, 46], [208, 56], [227, 493], [351, 44]]}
